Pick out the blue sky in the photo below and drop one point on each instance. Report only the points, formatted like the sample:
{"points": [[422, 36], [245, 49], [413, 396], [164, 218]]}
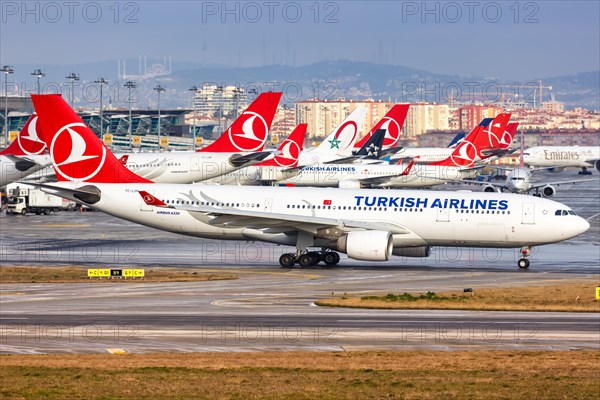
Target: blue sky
{"points": [[503, 39]]}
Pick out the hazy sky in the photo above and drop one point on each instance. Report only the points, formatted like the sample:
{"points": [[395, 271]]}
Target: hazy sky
{"points": [[504, 39]]}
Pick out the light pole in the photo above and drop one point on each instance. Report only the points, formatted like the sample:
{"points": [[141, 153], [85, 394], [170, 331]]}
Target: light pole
{"points": [[7, 69], [219, 90], [194, 90], [159, 89], [38, 73], [236, 92], [101, 82], [73, 77], [130, 85]]}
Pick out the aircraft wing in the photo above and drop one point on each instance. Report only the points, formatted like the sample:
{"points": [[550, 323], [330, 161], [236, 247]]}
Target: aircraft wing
{"points": [[574, 182], [245, 160], [263, 219]]}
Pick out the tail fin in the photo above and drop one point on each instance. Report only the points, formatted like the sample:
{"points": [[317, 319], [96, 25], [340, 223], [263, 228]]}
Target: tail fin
{"points": [[372, 147], [341, 140], [29, 142], [289, 151], [250, 130], [392, 122], [511, 132], [457, 139], [77, 154], [465, 153]]}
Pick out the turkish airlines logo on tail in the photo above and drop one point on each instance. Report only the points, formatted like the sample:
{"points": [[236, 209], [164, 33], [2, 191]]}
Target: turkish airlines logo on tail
{"points": [[29, 141], [392, 131], [68, 151], [290, 152], [253, 135], [464, 155]]}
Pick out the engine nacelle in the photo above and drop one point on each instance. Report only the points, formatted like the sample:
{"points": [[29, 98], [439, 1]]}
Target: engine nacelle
{"points": [[349, 184], [490, 189], [548, 191], [417, 251], [597, 165], [556, 170], [367, 245]]}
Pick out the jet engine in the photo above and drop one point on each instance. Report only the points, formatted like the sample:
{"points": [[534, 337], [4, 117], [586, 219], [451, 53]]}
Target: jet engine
{"points": [[367, 245], [556, 169], [490, 189], [349, 184], [548, 191], [597, 165], [418, 251]]}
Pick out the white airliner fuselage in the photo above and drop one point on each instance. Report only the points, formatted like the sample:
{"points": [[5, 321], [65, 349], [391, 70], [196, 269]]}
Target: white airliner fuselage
{"points": [[374, 175], [180, 167], [563, 156], [424, 154], [15, 168], [414, 218]]}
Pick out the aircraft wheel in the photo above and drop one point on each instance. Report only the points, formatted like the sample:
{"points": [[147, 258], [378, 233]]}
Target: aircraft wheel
{"points": [[523, 263], [306, 260], [331, 258], [287, 260]]}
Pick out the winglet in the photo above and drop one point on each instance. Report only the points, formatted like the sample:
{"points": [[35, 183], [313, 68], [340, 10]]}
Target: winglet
{"points": [[408, 168], [151, 200]]}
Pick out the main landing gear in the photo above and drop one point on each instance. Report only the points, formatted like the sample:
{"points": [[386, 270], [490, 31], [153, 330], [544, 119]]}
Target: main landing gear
{"points": [[523, 262], [309, 258], [584, 171]]}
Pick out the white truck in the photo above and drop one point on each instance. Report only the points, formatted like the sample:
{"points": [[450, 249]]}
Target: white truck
{"points": [[23, 199]]}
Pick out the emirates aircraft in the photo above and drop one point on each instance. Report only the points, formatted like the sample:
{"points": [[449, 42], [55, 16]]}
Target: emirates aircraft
{"points": [[24, 156], [239, 146], [459, 165], [559, 157], [369, 225], [268, 171]]}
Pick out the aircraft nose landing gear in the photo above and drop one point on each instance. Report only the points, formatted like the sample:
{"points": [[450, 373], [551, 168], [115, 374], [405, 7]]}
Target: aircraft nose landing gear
{"points": [[523, 262]]}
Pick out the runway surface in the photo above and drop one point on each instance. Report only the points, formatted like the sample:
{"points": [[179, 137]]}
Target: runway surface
{"points": [[268, 308]]}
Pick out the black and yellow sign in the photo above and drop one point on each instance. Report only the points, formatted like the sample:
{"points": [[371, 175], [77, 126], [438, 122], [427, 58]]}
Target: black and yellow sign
{"points": [[98, 273], [164, 142], [136, 140], [598, 293], [115, 273], [199, 140], [107, 138], [12, 135]]}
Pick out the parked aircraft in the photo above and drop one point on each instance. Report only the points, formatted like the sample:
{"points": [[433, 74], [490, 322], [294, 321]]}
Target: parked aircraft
{"points": [[368, 225], [557, 158]]}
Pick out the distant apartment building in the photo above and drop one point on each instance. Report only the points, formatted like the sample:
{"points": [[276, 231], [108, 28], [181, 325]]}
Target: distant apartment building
{"points": [[425, 117], [225, 101], [471, 115], [324, 115]]}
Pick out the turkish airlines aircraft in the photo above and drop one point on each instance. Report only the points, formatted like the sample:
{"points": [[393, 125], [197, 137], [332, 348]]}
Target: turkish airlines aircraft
{"points": [[24, 156], [559, 157], [367, 225], [459, 165], [339, 143], [497, 145], [239, 146], [392, 122], [268, 171]]}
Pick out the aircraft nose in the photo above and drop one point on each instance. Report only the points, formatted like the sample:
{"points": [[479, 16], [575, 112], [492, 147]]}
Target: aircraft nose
{"points": [[579, 226]]}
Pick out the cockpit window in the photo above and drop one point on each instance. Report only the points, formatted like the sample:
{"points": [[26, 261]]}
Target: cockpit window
{"points": [[565, 212]]}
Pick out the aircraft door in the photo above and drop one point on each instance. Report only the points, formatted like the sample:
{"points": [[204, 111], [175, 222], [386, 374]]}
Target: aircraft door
{"points": [[194, 163], [443, 215], [528, 214], [268, 205]]}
